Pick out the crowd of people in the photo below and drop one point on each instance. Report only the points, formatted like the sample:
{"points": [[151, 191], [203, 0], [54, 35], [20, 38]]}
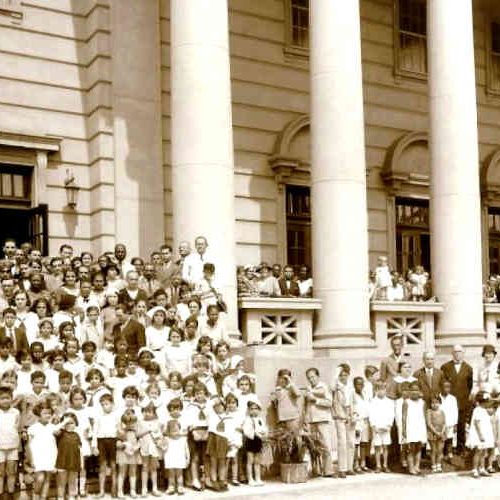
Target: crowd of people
{"points": [[274, 281], [491, 290], [389, 285], [126, 368]]}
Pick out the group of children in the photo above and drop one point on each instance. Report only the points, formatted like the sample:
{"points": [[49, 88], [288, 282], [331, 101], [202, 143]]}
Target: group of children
{"points": [[387, 284], [60, 410]]}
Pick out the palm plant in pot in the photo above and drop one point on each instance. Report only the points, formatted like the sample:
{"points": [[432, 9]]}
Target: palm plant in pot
{"points": [[290, 450]]}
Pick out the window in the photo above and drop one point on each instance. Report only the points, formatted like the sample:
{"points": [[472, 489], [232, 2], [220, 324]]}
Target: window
{"points": [[15, 185], [300, 23], [412, 234], [297, 28], [494, 59], [298, 225], [494, 239], [411, 38]]}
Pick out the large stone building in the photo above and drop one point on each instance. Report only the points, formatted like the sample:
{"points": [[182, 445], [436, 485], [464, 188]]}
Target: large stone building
{"points": [[188, 117]]}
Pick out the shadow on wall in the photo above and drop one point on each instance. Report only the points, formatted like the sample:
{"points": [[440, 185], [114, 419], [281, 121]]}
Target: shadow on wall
{"points": [[120, 76]]}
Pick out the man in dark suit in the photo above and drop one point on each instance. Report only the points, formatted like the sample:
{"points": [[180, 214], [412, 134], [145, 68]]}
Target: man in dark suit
{"points": [[429, 378], [389, 366], [168, 268], [288, 286], [129, 328], [459, 374], [17, 335]]}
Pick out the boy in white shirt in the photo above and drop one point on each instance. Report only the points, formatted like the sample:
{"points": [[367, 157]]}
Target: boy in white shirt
{"points": [[104, 436], [449, 406]]}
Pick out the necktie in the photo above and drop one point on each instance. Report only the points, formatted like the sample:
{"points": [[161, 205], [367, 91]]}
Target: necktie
{"points": [[429, 377]]}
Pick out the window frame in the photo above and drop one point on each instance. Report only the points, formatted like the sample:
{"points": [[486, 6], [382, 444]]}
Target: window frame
{"points": [[303, 219], [400, 72], [291, 50], [490, 89], [26, 173], [408, 229]]}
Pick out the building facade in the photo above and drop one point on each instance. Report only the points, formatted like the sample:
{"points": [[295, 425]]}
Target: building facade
{"points": [[373, 128]]}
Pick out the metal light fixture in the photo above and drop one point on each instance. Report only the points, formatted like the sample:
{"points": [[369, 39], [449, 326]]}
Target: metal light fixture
{"points": [[71, 189]]}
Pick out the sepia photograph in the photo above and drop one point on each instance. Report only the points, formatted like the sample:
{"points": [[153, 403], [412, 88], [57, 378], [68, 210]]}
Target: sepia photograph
{"points": [[249, 248]]}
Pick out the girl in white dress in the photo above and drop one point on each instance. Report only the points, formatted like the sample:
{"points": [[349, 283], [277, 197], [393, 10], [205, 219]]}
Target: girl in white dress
{"points": [[414, 427], [157, 333], [481, 436], [43, 448], [177, 453], [383, 279], [177, 353]]}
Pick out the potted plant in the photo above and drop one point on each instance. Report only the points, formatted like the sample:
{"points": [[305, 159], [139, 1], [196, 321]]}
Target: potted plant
{"points": [[290, 450]]}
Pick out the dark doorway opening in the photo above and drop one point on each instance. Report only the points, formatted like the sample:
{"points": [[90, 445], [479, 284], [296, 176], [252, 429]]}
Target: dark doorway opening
{"points": [[25, 225]]}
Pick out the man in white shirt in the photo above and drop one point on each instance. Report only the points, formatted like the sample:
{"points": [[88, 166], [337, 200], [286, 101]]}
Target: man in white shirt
{"points": [[192, 268]]}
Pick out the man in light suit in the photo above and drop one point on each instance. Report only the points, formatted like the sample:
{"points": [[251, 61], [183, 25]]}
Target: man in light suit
{"points": [[429, 378], [459, 374]]}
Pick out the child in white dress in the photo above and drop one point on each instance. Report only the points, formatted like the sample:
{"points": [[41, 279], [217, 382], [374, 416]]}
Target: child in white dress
{"points": [[381, 416], [176, 456], [383, 279], [402, 403], [127, 452], [418, 280], [414, 428], [235, 436], [481, 436], [43, 448]]}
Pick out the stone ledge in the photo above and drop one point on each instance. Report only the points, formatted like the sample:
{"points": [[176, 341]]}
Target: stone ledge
{"points": [[279, 303], [407, 306]]}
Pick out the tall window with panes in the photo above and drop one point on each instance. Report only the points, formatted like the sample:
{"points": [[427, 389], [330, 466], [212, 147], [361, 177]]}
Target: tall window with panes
{"points": [[412, 234], [494, 239], [298, 225], [494, 66], [299, 24], [411, 38]]}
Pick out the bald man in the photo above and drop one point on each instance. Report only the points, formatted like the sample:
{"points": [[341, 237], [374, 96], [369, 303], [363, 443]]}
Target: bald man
{"points": [[459, 374], [429, 378]]}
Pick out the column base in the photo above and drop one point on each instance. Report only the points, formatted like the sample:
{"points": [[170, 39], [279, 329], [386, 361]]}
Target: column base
{"points": [[344, 339], [465, 337]]}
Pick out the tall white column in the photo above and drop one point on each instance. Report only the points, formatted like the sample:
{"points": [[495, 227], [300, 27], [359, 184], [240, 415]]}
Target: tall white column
{"points": [[339, 208], [455, 195], [202, 136]]}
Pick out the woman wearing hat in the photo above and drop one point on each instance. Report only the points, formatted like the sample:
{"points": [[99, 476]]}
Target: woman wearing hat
{"points": [[487, 375]]}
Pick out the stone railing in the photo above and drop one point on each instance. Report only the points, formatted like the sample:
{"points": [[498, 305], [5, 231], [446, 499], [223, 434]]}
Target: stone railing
{"points": [[414, 321], [278, 322], [492, 323]]}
